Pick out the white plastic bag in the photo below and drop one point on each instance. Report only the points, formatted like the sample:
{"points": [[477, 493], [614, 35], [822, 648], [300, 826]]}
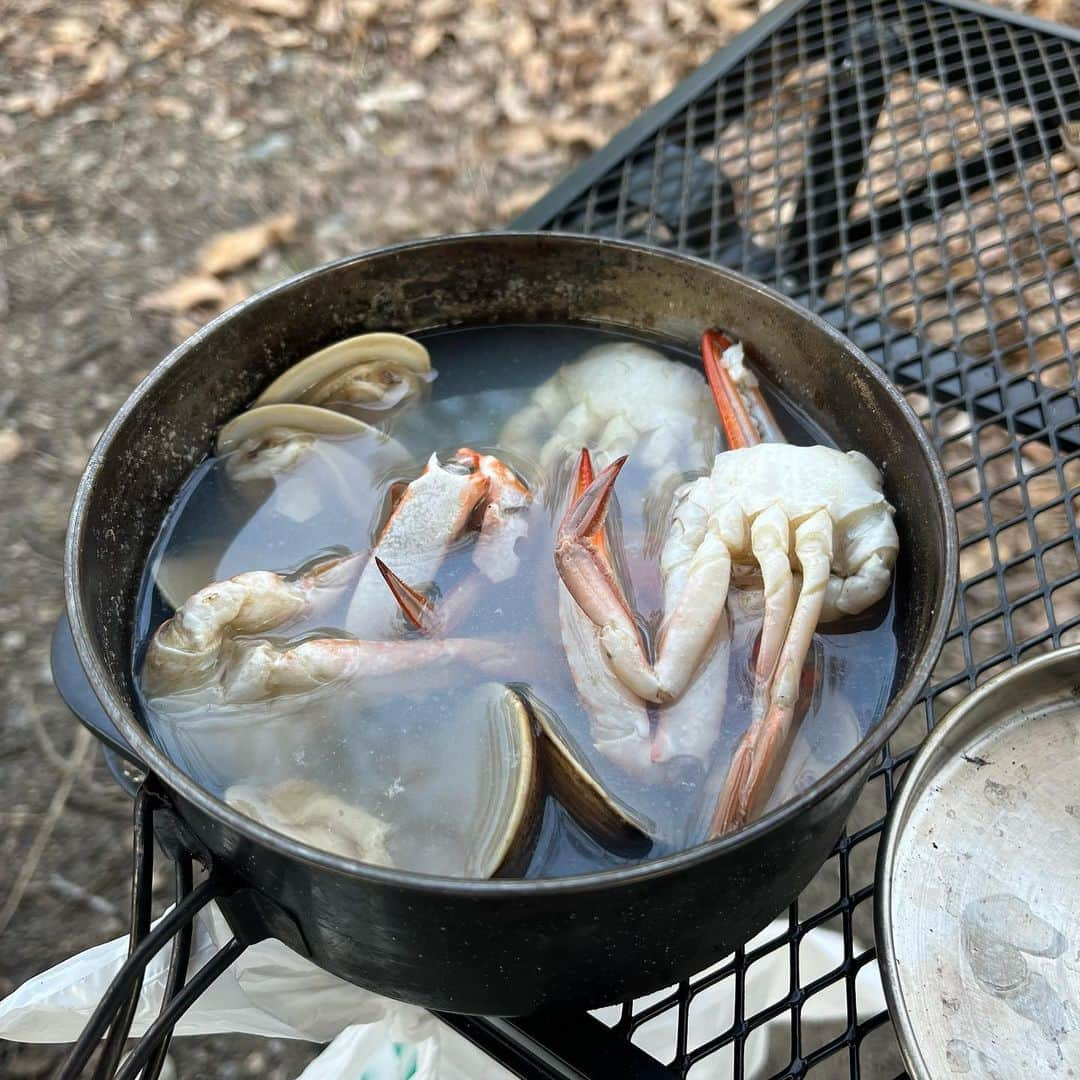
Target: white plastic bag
{"points": [[272, 991]]}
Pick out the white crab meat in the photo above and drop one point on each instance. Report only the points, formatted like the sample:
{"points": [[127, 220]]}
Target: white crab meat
{"points": [[434, 511], [620, 398]]}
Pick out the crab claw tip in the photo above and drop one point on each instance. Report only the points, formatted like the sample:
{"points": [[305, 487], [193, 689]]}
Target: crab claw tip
{"points": [[414, 605]]}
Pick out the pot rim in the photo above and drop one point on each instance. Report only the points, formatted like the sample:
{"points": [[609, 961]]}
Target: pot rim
{"points": [[159, 764]]}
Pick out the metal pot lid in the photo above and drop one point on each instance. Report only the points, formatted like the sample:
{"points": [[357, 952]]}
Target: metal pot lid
{"points": [[978, 903]]}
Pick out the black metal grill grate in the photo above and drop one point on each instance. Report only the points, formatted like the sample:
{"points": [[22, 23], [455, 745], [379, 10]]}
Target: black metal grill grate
{"points": [[900, 169]]}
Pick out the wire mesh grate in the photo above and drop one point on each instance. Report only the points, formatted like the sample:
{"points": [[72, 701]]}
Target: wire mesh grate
{"points": [[900, 169]]}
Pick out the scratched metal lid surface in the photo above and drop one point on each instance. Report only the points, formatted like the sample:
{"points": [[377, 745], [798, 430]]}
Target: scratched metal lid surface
{"points": [[978, 902]]}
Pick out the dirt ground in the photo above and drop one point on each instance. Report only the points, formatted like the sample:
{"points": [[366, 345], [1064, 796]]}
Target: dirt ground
{"points": [[137, 140]]}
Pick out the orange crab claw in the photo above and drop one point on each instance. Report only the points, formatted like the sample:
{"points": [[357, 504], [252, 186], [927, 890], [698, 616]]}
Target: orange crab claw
{"points": [[585, 516], [734, 415], [415, 606], [584, 475], [582, 563], [747, 420]]}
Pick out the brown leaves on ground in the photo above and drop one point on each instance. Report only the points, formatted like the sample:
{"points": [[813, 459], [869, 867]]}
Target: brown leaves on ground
{"points": [[287, 9], [222, 256], [195, 297], [198, 290], [232, 250], [11, 445]]}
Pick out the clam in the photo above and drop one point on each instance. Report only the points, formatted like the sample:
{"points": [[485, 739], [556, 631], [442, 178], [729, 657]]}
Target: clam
{"points": [[371, 371], [508, 816], [302, 810], [457, 775], [270, 441], [578, 786], [261, 422]]}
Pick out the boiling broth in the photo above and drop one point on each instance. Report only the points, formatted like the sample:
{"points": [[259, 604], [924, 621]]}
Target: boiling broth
{"points": [[396, 749]]}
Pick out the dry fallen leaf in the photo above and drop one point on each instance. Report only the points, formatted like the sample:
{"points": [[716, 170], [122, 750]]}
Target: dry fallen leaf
{"points": [[288, 39], [11, 445], [163, 43], [287, 9], [185, 294], [426, 40], [732, 17], [106, 63], [521, 40], [329, 18], [455, 99], [568, 132], [231, 250], [172, 108], [359, 12], [437, 9], [17, 103], [513, 100], [538, 75], [620, 92], [391, 97], [524, 141], [70, 30], [583, 24], [1070, 136]]}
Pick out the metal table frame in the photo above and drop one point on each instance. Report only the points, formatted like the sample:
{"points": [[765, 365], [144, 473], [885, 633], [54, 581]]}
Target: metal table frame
{"points": [[835, 155]]}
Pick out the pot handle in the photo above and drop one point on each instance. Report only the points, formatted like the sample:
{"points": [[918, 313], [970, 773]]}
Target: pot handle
{"points": [[111, 1020], [74, 688]]}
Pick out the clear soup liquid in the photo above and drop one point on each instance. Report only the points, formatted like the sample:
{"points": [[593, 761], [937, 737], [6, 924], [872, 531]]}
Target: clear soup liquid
{"points": [[407, 751]]}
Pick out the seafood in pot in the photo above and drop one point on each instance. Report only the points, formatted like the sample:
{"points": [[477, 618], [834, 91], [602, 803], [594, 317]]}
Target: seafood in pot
{"points": [[814, 510], [438, 507], [310, 468], [304, 812], [258, 638], [452, 690]]}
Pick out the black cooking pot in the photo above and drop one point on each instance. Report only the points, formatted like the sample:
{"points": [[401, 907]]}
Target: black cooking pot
{"points": [[500, 947]]}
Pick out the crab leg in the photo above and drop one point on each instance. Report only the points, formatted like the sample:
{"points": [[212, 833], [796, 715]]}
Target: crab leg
{"points": [[421, 612], [261, 669], [186, 650], [747, 421], [760, 753], [689, 626], [213, 648], [788, 627], [430, 514], [618, 719], [688, 727]]}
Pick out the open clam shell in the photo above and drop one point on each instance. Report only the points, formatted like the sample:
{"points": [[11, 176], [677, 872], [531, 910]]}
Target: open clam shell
{"points": [[508, 818], [456, 774], [306, 812], [577, 785], [373, 370], [266, 424]]}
